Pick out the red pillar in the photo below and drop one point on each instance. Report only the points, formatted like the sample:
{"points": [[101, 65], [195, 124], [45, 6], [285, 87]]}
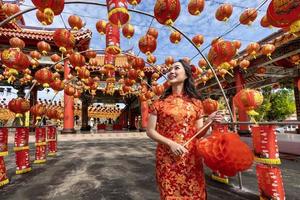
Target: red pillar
{"points": [[144, 113], [297, 100], [242, 115], [68, 106]]}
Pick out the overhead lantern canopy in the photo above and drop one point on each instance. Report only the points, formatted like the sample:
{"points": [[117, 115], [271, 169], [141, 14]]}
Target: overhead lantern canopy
{"points": [[112, 39], [50, 7], [117, 12], [284, 14], [167, 11]]}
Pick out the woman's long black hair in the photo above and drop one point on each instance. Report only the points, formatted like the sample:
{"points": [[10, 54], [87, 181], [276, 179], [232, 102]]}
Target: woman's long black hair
{"points": [[189, 87]]}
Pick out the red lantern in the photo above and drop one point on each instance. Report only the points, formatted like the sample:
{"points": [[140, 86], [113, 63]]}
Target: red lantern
{"points": [[19, 106], [237, 44], [128, 31], [75, 22], [83, 73], [17, 43], [248, 16], [64, 39], [224, 12], [153, 32], [283, 14], [55, 58], [147, 44], [77, 60], [195, 7], [134, 2], [202, 63], [151, 59], [45, 20], [221, 52], [138, 63], [112, 39], [69, 90], [10, 9], [50, 7], [253, 48], [132, 74], [210, 106], [167, 11], [244, 64], [43, 47], [268, 49], [248, 100], [169, 61], [101, 27], [175, 37], [261, 70], [264, 22], [158, 90], [198, 40], [44, 76], [38, 111], [35, 55], [90, 54], [117, 12], [57, 85], [15, 59]]}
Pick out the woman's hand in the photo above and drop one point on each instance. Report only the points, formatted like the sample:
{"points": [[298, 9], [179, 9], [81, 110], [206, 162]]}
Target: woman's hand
{"points": [[216, 116], [177, 149]]}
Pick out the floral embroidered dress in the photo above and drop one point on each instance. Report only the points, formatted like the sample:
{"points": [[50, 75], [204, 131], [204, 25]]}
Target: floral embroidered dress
{"points": [[178, 178]]}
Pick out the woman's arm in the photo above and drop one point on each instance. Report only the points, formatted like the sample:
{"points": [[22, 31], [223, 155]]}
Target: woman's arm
{"points": [[176, 148], [199, 124]]}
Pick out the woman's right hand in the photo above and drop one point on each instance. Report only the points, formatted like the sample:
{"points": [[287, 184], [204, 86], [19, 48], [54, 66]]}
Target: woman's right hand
{"points": [[177, 149]]}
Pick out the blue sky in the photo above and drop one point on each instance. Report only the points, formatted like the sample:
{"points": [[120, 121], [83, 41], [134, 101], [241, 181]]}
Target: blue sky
{"points": [[204, 24]]}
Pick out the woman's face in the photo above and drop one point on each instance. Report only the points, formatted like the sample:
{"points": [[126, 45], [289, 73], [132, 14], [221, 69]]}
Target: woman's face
{"points": [[177, 73]]}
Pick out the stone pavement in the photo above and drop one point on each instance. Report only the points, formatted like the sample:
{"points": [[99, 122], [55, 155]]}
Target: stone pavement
{"points": [[113, 166]]}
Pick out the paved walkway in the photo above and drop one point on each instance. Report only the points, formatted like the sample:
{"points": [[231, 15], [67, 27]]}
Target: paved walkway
{"points": [[113, 166]]}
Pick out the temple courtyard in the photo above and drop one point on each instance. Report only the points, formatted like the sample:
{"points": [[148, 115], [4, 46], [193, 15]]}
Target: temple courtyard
{"points": [[117, 165]]}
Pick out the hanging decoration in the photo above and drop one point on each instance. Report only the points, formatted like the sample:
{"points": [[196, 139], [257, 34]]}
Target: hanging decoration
{"points": [[153, 32], [264, 22], [112, 39], [17, 43], [198, 40], [75, 22], [15, 59], [248, 16], [252, 49], [3, 143], [169, 61], [52, 140], [117, 12], [10, 9], [44, 77], [195, 7], [224, 12], [64, 39], [21, 149], [101, 27], [210, 106], [134, 2], [41, 17], [44, 47], [147, 44], [268, 49], [128, 31], [40, 145], [50, 7], [175, 37], [167, 11], [38, 110]]}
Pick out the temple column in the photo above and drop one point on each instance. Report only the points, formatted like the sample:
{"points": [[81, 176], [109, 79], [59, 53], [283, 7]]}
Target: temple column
{"points": [[297, 100], [144, 113], [68, 106], [242, 115], [85, 102]]}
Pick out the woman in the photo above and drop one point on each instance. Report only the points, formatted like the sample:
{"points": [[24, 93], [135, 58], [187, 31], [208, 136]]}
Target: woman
{"points": [[173, 120]]}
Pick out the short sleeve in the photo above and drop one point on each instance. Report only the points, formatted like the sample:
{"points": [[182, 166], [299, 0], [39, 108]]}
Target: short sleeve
{"points": [[154, 107], [199, 108]]}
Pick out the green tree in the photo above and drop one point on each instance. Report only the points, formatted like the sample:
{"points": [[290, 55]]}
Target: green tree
{"points": [[277, 105]]}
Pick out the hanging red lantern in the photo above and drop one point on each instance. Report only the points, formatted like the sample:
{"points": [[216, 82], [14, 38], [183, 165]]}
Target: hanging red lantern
{"points": [[153, 32], [158, 90], [268, 49], [10, 9], [17, 43], [50, 7], [55, 58], [244, 64], [175, 37], [248, 16], [12, 58], [35, 55], [248, 100], [151, 59], [75, 22], [43, 47], [264, 22], [253, 49], [237, 44], [261, 70], [77, 60], [284, 14], [195, 7], [224, 12], [128, 31], [169, 61], [90, 54], [77, 93], [210, 106], [69, 90], [134, 2], [138, 63], [57, 85], [202, 63], [198, 40], [44, 76], [117, 12], [45, 20], [38, 110], [112, 39], [295, 59], [167, 11], [221, 52], [19, 106], [64, 39], [101, 26], [83, 73], [147, 44], [132, 74]]}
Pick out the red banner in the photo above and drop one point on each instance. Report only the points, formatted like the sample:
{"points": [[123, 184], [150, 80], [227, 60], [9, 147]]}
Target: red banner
{"points": [[3, 141], [270, 182], [22, 161], [112, 39], [22, 150], [41, 145], [52, 140], [3, 176], [265, 144]]}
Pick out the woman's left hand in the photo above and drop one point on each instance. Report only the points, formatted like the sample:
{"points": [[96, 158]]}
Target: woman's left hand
{"points": [[216, 116]]}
